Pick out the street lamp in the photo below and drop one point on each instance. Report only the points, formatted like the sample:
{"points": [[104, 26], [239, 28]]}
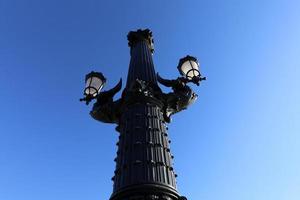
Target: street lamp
{"points": [[144, 167], [189, 68], [94, 82]]}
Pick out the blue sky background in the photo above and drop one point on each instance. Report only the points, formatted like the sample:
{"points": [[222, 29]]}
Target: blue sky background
{"points": [[239, 141]]}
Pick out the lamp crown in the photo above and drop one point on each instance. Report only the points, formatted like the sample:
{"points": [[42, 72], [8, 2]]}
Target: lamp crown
{"points": [[141, 35]]}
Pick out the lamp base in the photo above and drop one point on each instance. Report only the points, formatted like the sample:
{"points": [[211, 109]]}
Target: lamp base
{"points": [[147, 192]]}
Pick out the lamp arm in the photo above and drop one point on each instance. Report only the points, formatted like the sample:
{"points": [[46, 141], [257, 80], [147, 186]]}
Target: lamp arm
{"points": [[105, 109], [165, 82], [196, 80], [178, 100], [87, 99], [110, 93]]}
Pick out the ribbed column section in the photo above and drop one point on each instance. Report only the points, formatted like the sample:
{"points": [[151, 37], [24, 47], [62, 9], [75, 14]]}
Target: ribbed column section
{"points": [[141, 64], [143, 164], [143, 156]]}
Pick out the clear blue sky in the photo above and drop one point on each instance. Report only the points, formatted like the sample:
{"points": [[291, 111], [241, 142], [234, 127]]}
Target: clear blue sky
{"points": [[240, 141]]}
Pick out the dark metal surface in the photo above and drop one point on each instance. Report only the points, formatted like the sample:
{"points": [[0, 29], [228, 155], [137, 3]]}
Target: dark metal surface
{"points": [[141, 64], [178, 100], [143, 156], [105, 109], [144, 168], [134, 37]]}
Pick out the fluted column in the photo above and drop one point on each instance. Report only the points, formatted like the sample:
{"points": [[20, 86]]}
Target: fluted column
{"points": [[141, 63], [144, 162], [143, 155]]}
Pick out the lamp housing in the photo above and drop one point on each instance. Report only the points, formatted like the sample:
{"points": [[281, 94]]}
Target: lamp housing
{"points": [[189, 68], [94, 82]]}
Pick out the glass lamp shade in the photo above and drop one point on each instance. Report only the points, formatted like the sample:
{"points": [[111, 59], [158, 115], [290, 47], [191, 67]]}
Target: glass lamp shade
{"points": [[94, 82], [189, 67]]}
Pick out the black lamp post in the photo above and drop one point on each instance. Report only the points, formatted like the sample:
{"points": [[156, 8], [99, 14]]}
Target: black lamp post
{"points": [[144, 163]]}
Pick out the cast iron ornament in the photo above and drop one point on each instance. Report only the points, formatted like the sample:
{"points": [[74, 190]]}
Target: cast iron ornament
{"points": [[143, 110], [108, 111]]}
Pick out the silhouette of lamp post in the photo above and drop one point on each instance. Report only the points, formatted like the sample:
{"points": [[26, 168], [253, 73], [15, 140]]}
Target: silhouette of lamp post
{"points": [[144, 168]]}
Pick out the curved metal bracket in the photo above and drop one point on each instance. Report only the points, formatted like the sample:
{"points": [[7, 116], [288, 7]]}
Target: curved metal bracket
{"points": [[165, 82], [105, 109], [108, 95], [169, 83], [178, 100]]}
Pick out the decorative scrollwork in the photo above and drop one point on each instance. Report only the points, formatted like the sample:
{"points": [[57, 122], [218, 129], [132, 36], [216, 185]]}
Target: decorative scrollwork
{"points": [[105, 109], [181, 97], [141, 87], [182, 198]]}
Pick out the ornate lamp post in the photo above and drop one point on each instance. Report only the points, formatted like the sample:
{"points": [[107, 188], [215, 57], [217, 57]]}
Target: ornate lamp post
{"points": [[144, 163]]}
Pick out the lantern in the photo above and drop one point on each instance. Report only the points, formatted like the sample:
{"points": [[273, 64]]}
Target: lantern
{"points": [[189, 68], [94, 82]]}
